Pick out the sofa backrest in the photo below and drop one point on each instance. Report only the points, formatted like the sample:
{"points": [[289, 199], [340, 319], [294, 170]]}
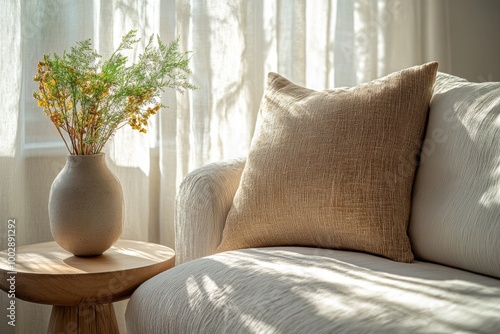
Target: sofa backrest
{"points": [[455, 215]]}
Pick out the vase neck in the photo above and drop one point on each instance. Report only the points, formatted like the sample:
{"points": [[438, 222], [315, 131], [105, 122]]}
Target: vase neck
{"points": [[74, 160]]}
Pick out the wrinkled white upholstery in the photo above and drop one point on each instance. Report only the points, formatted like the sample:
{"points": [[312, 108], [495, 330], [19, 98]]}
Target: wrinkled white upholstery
{"points": [[456, 203], [307, 290], [203, 202]]}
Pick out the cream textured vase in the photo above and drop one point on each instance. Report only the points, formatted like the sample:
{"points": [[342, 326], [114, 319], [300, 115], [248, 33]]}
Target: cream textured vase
{"points": [[86, 206]]}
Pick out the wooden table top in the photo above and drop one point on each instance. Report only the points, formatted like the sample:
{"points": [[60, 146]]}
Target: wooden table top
{"points": [[47, 274]]}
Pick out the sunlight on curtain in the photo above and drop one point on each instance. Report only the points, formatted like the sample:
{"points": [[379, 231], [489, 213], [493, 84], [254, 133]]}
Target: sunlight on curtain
{"points": [[11, 27], [10, 116], [320, 44]]}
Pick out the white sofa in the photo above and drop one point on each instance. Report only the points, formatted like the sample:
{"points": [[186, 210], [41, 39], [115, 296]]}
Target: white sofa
{"points": [[453, 285]]}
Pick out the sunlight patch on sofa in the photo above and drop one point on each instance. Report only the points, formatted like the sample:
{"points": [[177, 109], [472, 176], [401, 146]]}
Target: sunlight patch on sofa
{"points": [[220, 298]]}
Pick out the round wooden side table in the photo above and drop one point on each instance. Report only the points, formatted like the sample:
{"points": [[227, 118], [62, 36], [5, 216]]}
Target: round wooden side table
{"points": [[82, 289]]}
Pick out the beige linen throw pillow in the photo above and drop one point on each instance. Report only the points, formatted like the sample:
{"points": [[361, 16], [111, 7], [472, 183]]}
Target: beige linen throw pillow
{"points": [[333, 169]]}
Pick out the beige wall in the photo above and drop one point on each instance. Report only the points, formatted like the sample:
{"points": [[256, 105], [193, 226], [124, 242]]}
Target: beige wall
{"points": [[475, 39]]}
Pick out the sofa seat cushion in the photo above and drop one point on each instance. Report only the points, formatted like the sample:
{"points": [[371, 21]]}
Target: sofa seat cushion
{"points": [[311, 290]]}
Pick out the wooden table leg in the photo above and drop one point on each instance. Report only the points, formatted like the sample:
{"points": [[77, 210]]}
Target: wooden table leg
{"points": [[83, 319]]}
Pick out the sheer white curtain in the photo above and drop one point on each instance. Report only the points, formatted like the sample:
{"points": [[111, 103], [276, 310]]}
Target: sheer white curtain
{"points": [[321, 44]]}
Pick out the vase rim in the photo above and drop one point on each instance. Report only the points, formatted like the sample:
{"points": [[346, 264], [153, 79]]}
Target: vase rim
{"points": [[85, 155]]}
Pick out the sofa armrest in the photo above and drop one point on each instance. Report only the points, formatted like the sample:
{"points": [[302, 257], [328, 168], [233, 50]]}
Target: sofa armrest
{"points": [[202, 204]]}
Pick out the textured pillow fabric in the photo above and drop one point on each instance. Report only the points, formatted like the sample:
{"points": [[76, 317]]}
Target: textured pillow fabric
{"points": [[456, 206], [333, 169]]}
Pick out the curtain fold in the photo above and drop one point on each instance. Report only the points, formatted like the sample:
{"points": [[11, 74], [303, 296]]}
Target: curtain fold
{"points": [[319, 44]]}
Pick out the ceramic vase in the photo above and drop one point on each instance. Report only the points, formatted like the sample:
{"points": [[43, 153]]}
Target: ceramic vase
{"points": [[86, 206]]}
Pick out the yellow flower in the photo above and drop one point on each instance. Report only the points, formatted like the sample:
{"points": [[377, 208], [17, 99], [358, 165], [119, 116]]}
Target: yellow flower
{"points": [[42, 103]]}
